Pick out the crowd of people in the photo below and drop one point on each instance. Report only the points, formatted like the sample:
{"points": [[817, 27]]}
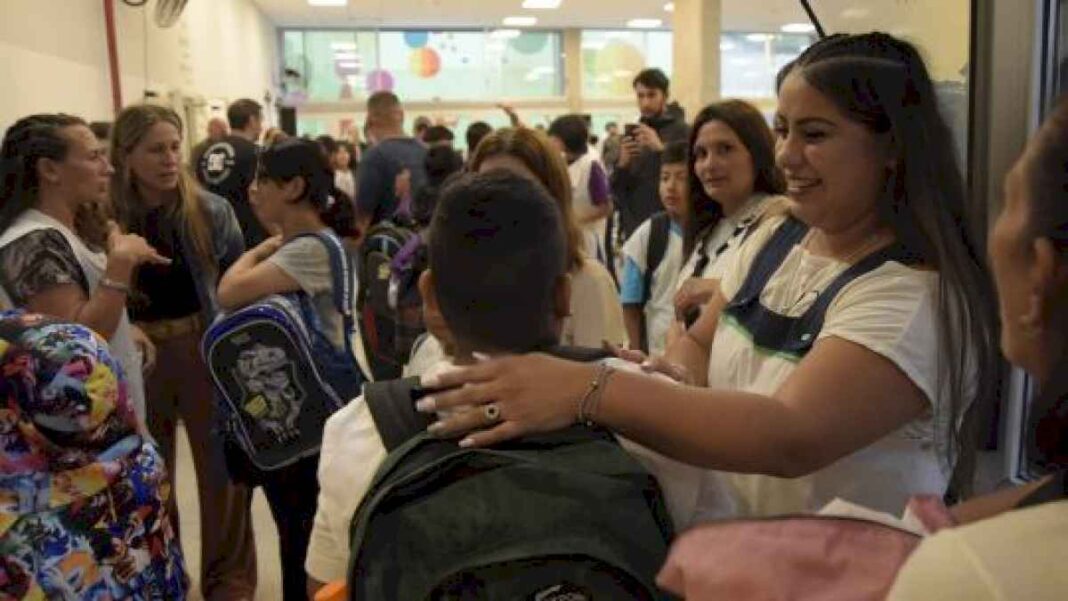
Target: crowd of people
{"points": [[786, 314]]}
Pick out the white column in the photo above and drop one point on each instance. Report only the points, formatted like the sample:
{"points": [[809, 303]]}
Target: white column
{"points": [[695, 60], [572, 49]]}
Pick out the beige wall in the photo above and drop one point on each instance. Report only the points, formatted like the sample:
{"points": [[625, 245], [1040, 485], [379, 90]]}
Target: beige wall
{"points": [[53, 56]]}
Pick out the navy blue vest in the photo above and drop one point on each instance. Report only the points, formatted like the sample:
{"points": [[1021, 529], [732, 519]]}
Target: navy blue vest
{"points": [[792, 337]]}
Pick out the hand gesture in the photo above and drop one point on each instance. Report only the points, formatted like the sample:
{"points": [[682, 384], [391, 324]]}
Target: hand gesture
{"points": [[132, 248]]}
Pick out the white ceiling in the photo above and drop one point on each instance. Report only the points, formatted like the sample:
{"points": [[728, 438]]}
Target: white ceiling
{"points": [[738, 15]]}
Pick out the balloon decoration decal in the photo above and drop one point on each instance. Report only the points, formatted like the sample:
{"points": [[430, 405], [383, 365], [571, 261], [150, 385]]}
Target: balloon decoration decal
{"points": [[416, 39], [380, 80], [424, 62], [530, 42]]}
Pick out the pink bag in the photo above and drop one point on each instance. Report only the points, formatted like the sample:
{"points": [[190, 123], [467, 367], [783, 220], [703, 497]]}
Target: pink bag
{"points": [[795, 558]]}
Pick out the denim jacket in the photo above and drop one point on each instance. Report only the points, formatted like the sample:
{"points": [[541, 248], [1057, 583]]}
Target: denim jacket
{"points": [[228, 244]]}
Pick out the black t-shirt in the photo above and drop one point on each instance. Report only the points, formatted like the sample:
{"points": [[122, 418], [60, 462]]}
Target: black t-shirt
{"points": [[227, 168], [164, 291]]}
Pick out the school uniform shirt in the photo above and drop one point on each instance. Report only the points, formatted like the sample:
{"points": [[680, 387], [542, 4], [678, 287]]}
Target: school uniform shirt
{"points": [[1018, 555], [724, 238], [659, 311], [345, 180], [307, 261], [890, 311], [589, 188], [596, 315], [353, 450]]}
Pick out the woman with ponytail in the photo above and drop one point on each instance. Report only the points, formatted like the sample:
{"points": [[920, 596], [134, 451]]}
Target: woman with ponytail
{"points": [[294, 193]]}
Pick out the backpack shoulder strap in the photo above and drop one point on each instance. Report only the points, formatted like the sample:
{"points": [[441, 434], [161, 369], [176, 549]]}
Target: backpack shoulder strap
{"points": [[659, 230], [343, 286], [392, 406], [818, 311]]}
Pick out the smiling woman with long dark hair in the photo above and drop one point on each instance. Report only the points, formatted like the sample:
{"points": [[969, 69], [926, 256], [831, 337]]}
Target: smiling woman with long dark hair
{"points": [[868, 271]]}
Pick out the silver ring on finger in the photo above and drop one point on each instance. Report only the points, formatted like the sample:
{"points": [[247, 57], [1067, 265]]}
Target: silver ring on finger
{"points": [[492, 412]]}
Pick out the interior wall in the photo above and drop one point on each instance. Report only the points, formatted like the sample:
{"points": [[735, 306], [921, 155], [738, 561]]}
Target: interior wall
{"points": [[53, 56]]}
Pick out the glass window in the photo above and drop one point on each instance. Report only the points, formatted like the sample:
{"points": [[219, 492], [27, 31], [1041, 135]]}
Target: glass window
{"points": [[343, 65], [749, 62], [611, 59]]}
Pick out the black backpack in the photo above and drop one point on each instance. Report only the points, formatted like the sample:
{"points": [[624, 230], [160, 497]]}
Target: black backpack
{"points": [[659, 231], [565, 516], [387, 333]]}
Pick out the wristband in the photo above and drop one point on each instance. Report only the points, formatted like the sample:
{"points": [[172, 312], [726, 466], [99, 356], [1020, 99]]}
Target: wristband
{"points": [[114, 285]]}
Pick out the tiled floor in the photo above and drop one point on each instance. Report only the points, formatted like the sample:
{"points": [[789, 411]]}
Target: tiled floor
{"points": [[270, 575]]}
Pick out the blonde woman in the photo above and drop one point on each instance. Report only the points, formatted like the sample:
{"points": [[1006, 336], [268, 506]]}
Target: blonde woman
{"points": [[154, 197]]}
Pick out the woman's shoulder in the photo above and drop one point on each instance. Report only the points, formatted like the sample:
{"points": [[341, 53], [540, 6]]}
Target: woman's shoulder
{"points": [[983, 560]]}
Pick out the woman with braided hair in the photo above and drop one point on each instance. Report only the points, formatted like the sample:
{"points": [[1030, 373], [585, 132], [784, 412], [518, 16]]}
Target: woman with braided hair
{"points": [[57, 254]]}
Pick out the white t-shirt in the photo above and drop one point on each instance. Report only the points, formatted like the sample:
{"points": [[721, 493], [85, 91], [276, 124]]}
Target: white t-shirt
{"points": [[589, 188], [596, 314], [352, 451], [724, 238], [891, 311], [660, 310], [1018, 555]]}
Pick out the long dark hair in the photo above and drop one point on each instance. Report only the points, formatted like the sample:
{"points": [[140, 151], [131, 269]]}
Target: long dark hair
{"points": [[292, 158], [882, 83], [705, 212], [25, 143]]}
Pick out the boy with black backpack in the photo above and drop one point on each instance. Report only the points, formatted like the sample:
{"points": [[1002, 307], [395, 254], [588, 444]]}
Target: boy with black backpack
{"points": [[417, 517], [653, 257]]}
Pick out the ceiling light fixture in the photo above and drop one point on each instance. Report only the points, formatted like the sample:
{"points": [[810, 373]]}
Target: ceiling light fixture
{"points": [[758, 37], [798, 28], [541, 4], [521, 21], [327, 2], [644, 23], [670, 7]]}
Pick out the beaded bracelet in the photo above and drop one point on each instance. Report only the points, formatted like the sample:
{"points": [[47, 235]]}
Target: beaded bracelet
{"points": [[114, 285], [589, 401]]}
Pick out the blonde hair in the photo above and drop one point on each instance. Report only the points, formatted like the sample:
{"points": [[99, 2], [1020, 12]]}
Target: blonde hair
{"points": [[532, 148], [130, 128]]}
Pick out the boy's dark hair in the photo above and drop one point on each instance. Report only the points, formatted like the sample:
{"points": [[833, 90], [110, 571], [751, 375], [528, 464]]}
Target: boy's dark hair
{"points": [[573, 132], [292, 158], [497, 251], [475, 132], [653, 79], [441, 163], [328, 144], [675, 152], [242, 111], [438, 133]]}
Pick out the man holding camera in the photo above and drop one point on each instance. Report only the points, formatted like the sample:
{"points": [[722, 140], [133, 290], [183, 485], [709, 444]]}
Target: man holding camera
{"points": [[636, 177]]}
